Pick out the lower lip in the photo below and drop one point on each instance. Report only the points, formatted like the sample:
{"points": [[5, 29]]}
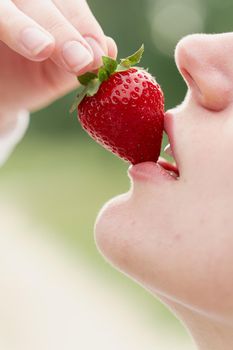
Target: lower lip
{"points": [[169, 167], [149, 172]]}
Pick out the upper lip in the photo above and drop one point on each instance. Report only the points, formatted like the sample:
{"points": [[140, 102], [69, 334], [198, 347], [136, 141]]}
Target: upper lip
{"points": [[169, 129]]}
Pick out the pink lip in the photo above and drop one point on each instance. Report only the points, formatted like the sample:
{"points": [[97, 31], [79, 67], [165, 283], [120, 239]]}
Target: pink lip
{"points": [[170, 167], [149, 172], [169, 129]]}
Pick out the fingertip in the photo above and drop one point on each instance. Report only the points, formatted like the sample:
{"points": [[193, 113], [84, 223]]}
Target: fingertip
{"points": [[45, 53], [97, 50], [112, 47], [77, 57], [37, 44]]}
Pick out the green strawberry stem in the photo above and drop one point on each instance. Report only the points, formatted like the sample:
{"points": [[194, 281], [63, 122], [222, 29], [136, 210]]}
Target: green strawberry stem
{"points": [[90, 82]]}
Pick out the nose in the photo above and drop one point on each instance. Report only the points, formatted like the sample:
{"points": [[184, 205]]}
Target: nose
{"points": [[205, 62]]}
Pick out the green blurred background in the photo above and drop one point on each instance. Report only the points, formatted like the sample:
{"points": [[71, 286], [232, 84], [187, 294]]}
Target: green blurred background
{"points": [[63, 176]]}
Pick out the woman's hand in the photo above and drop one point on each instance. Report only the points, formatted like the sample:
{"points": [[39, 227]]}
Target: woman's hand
{"points": [[44, 44]]}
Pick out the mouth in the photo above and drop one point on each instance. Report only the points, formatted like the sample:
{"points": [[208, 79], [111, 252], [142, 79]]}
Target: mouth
{"points": [[170, 167], [151, 171]]}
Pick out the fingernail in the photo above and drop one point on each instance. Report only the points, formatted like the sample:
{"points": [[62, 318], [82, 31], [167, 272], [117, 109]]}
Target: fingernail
{"points": [[35, 40], [112, 47], [76, 55], [97, 51]]}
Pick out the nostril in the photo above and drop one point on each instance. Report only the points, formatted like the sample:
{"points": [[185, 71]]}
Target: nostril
{"points": [[210, 87], [190, 80]]}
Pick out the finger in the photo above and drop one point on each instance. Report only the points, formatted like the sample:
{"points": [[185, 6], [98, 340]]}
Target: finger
{"points": [[71, 51], [112, 47], [79, 14], [24, 35]]}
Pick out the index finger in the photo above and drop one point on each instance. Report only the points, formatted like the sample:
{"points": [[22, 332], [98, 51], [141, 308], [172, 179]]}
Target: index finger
{"points": [[80, 16]]}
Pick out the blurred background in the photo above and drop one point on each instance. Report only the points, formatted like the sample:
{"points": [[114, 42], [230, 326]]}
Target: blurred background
{"points": [[58, 178]]}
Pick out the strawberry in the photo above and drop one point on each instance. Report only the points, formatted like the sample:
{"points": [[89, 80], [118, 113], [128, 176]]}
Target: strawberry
{"points": [[122, 108]]}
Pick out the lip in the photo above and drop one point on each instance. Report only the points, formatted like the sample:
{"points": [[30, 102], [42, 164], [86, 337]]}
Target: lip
{"points": [[171, 168], [169, 129], [149, 172]]}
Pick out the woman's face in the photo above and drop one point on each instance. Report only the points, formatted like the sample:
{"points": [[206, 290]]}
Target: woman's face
{"points": [[175, 235]]}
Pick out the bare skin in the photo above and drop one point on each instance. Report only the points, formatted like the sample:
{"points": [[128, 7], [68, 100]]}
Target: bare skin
{"points": [[44, 45], [174, 235]]}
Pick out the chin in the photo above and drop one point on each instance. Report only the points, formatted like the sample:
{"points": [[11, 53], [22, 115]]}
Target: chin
{"points": [[111, 224]]}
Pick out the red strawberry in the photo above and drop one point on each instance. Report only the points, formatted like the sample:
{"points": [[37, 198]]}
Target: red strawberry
{"points": [[122, 108]]}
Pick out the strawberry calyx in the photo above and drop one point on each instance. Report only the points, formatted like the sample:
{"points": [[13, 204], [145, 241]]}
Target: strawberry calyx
{"points": [[90, 82]]}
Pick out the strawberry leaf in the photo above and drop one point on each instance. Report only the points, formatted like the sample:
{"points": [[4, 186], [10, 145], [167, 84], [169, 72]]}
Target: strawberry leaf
{"points": [[86, 78], [133, 59], [102, 74], [109, 64], [90, 82], [78, 99], [121, 68], [93, 87]]}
